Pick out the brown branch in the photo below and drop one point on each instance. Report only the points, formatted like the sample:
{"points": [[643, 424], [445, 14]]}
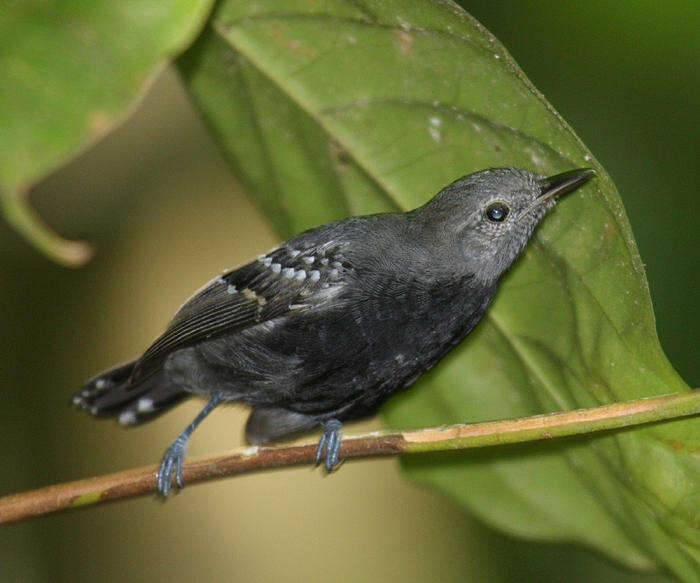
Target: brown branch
{"points": [[142, 481]]}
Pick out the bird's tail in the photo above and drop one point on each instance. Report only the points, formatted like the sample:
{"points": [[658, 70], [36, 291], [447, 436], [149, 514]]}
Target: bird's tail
{"points": [[111, 394]]}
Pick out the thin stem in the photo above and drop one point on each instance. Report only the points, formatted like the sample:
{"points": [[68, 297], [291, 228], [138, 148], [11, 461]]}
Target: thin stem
{"points": [[23, 218], [142, 481]]}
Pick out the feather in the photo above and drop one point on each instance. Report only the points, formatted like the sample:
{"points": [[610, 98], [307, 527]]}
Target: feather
{"points": [[280, 283]]}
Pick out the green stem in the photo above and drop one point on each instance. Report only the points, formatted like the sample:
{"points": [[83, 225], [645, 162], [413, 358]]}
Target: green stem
{"points": [[21, 216], [561, 424]]}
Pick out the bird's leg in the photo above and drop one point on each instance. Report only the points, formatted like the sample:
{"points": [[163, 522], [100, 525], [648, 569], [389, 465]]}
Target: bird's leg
{"points": [[176, 452], [329, 444]]}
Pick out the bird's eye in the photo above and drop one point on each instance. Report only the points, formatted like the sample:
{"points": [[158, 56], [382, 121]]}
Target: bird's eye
{"points": [[497, 212]]}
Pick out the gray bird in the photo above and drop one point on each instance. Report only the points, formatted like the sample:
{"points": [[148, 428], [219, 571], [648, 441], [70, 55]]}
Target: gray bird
{"points": [[328, 325]]}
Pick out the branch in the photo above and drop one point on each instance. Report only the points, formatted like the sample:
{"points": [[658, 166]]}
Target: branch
{"points": [[141, 481]]}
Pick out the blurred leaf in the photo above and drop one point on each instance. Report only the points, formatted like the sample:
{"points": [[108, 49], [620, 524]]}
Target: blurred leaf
{"points": [[358, 107], [68, 73]]}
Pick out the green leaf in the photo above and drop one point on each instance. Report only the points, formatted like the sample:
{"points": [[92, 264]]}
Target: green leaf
{"points": [[353, 107], [68, 73]]}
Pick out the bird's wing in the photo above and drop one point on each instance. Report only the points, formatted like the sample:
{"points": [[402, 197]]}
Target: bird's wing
{"points": [[285, 281]]}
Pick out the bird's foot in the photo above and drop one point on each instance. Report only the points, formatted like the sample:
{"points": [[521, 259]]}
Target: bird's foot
{"points": [[172, 460], [175, 455], [329, 444]]}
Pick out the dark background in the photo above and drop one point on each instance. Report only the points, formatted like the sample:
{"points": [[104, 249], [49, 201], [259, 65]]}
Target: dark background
{"points": [[166, 214]]}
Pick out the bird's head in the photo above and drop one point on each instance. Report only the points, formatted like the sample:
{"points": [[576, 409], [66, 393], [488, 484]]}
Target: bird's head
{"points": [[489, 216]]}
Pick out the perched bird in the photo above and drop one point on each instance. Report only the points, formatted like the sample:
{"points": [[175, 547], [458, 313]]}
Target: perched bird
{"points": [[328, 325]]}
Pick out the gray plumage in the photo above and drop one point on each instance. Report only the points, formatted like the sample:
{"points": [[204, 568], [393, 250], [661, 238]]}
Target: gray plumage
{"points": [[329, 324]]}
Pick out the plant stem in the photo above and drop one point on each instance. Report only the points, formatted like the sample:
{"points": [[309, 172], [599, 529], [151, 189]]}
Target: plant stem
{"points": [[142, 481], [23, 218]]}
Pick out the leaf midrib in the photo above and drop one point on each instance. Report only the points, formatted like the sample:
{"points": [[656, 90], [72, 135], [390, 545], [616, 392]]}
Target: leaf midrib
{"points": [[226, 33], [222, 29]]}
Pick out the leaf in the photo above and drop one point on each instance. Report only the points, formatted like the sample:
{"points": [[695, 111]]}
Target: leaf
{"points": [[358, 107], [68, 73]]}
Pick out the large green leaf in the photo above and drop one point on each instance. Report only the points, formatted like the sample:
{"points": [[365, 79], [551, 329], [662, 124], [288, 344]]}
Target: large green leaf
{"points": [[68, 73], [336, 107]]}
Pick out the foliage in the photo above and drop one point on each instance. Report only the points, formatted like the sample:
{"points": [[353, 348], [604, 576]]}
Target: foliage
{"points": [[331, 108]]}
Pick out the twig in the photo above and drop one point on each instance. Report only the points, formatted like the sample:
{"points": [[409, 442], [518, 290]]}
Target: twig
{"points": [[141, 481]]}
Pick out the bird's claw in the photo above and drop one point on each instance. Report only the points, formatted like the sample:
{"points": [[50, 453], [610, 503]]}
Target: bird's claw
{"points": [[329, 444], [174, 456]]}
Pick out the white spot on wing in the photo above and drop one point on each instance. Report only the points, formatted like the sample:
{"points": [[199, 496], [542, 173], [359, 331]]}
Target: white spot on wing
{"points": [[288, 272], [127, 417], [315, 275], [101, 384], [145, 405], [276, 267], [301, 275], [231, 289]]}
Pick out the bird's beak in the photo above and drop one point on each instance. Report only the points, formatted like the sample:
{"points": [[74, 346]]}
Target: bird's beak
{"points": [[562, 183]]}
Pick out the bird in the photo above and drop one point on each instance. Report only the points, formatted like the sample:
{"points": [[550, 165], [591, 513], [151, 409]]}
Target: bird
{"points": [[326, 326]]}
